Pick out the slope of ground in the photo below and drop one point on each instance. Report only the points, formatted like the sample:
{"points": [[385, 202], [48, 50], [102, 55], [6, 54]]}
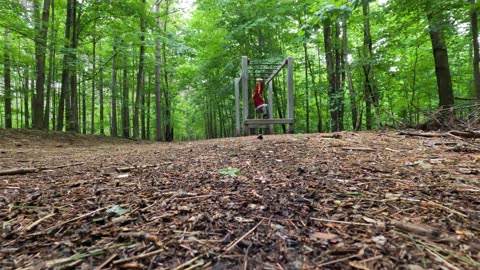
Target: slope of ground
{"points": [[350, 201]]}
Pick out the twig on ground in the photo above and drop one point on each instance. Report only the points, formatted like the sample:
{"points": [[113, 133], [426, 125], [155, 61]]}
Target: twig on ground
{"points": [[141, 256], [34, 224], [232, 245], [342, 222]]}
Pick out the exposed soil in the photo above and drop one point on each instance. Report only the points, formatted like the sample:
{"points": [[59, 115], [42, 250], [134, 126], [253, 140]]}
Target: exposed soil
{"points": [[349, 201]]}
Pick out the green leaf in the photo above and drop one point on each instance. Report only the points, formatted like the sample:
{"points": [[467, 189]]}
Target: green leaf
{"points": [[117, 209], [230, 171]]}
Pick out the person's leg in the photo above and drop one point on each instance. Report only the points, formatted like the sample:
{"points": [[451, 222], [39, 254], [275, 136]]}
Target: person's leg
{"points": [[265, 111]]}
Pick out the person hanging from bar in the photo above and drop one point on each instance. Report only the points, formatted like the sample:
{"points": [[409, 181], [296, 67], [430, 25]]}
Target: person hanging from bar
{"points": [[258, 101]]}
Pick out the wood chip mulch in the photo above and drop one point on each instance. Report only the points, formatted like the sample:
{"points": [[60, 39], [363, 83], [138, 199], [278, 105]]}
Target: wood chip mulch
{"points": [[378, 200]]}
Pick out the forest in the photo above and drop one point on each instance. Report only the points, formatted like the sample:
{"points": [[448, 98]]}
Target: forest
{"points": [[164, 70]]}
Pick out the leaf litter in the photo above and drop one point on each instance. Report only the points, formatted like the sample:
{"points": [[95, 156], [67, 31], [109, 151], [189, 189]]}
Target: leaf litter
{"points": [[377, 200]]}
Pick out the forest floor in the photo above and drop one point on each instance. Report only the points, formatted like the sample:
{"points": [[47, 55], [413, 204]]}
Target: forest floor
{"points": [[376, 200]]}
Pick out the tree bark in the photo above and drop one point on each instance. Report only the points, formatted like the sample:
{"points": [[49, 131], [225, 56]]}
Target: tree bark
{"points": [[114, 128], [52, 53], [158, 90], [125, 101], [353, 103], [140, 82], [94, 77], [166, 92], [440, 54], [101, 96], [7, 81], [64, 106], [476, 54], [41, 31]]}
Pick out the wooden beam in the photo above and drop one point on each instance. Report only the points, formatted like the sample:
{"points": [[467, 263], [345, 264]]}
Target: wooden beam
{"points": [[270, 105], [237, 106], [290, 99], [246, 131], [276, 71], [249, 122]]}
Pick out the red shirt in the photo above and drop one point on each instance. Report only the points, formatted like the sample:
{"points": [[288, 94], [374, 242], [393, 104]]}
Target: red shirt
{"points": [[257, 95]]}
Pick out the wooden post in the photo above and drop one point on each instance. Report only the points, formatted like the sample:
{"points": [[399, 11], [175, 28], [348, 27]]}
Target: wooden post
{"points": [[290, 99], [270, 105], [237, 106], [246, 130]]}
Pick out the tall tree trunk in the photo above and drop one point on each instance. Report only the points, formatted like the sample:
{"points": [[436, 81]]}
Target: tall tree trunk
{"points": [[26, 97], [166, 92], [339, 80], [329, 54], [140, 82], [158, 90], [7, 81], [94, 78], [307, 103], [101, 98], [114, 128], [41, 31], [73, 122], [318, 97], [83, 89], [53, 34], [353, 103], [440, 54], [125, 102], [64, 105], [476, 54], [370, 87]]}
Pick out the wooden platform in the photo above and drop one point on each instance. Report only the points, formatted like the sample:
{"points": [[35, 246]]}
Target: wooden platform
{"points": [[250, 122]]}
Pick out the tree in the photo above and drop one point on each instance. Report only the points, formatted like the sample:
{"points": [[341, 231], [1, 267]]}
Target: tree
{"points": [[7, 81], [158, 92], [440, 54], [140, 75], [41, 33], [476, 54]]}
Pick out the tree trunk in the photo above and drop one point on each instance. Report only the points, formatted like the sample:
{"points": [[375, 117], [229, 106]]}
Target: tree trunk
{"points": [[26, 97], [125, 101], [140, 82], [114, 128], [83, 89], [158, 90], [370, 88], [339, 80], [73, 121], [64, 106], [440, 54], [329, 54], [307, 104], [94, 77], [476, 54], [7, 81], [101, 97], [168, 105], [353, 103], [41, 31], [53, 35]]}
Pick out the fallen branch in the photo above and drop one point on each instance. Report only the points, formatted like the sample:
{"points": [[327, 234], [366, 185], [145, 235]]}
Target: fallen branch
{"points": [[232, 245], [367, 149], [341, 222], [141, 256], [427, 135], [465, 134], [77, 218], [107, 261], [18, 171], [34, 224], [61, 166], [421, 230]]}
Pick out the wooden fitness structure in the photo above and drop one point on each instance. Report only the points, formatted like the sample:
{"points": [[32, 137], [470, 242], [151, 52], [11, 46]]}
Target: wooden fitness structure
{"points": [[267, 72]]}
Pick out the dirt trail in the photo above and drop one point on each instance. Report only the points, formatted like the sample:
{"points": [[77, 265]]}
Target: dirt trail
{"points": [[353, 201]]}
